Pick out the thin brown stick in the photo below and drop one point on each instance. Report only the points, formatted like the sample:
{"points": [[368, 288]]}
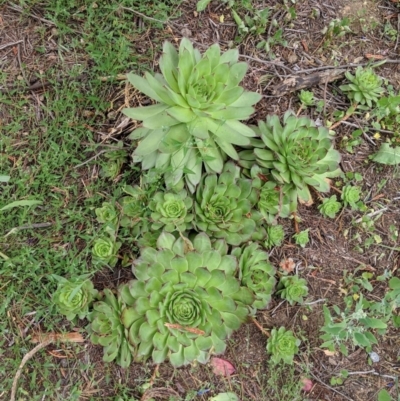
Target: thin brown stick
{"points": [[260, 327], [345, 117], [330, 67], [10, 44], [25, 359]]}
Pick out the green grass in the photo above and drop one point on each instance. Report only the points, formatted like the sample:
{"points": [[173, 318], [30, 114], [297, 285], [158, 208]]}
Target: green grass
{"points": [[43, 140]]}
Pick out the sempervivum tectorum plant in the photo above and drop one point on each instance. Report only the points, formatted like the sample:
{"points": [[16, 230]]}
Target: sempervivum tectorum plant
{"points": [[256, 273], [171, 211], [185, 301], [364, 87], [107, 330], [224, 204], [274, 199], [74, 297], [297, 153], [196, 118]]}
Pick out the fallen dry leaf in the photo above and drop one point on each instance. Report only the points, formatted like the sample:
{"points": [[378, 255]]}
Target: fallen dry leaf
{"points": [[287, 265], [222, 367], [63, 337], [307, 384]]}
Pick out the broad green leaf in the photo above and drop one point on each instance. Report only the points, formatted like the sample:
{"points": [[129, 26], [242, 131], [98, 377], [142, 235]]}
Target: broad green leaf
{"points": [[387, 155], [169, 64], [233, 113], [383, 395], [394, 283], [21, 203], [202, 4], [236, 74], [162, 120], [150, 143], [181, 114], [185, 66], [227, 148], [143, 86], [230, 96], [361, 339], [142, 113], [4, 178], [231, 56], [373, 323], [240, 127], [159, 89], [222, 131], [225, 397], [246, 99]]}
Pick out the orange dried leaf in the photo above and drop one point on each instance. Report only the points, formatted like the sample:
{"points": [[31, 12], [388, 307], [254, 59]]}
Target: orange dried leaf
{"points": [[287, 265], [222, 367], [374, 56], [54, 337]]}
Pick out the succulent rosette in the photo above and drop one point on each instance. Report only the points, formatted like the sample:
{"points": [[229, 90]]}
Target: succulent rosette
{"points": [[107, 330], [365, 86], [185, 301], [297, 153], [282, 345], [350, 196], [329, 207], [224, 204], [134, 206], [74, 297], [107, 214], [171, 211], [275, 236], [293, 289], [196, 118], [105, 251], [256, 273]]}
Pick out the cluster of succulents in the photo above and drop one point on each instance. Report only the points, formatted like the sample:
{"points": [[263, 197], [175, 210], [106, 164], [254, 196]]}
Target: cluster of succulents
{"points": [[202, 223], [185, 301]]}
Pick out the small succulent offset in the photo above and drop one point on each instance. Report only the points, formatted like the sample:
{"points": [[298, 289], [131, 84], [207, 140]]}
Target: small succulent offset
{"points": [[302, 238], [105, 250], [350, 196], [107, 330], [196, 119], [365, 86], [329, 207], [275, 236], [171, 211], [256, 273], [298, 153], [223, 206], [273, 198], [202, 4], [306, 98], [107, 214], [134, 206], [185, 301], [282, 345], [293, 289], [74, 297], [115, 160]]}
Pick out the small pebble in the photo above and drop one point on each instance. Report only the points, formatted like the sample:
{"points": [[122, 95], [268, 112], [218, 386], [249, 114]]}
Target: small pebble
{"points": [[374, 357]]}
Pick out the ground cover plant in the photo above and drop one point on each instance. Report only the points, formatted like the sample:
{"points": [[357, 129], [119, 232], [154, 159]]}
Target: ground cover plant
{"points": [[175, 228]]}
